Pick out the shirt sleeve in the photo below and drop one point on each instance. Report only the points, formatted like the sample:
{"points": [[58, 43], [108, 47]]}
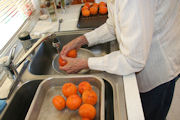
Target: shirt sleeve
{"points": [[136, 22], [104, 33]]}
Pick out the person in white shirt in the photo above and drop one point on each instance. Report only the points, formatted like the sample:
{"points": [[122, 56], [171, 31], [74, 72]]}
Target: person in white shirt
{"points": [[148, 34]]}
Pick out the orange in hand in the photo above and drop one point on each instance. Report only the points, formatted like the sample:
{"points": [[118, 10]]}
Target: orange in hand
{"points": [[84, 86], [89, 97], [69, 89], [73, 102], [59, 102], [62, 62], [72, 53], [87, 111]]}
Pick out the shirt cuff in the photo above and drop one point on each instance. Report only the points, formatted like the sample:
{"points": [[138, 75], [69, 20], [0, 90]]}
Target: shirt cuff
{"points": [[96, 63], [91, 38]]}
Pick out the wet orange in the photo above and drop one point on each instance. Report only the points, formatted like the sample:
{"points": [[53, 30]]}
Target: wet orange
{"points": [[94, 10], [59, 102], [84, 86], [73, 102], [62, 62], [89, 97], [72, 53], [87, 111], [69, 89], [86, 12], [103, 10]]}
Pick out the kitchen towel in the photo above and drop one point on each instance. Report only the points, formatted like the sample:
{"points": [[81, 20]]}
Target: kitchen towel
{"points": [[2, 105], [44, 26]]}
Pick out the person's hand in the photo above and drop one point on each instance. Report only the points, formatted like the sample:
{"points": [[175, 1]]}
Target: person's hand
{"points": [[74, 44], [74, 65]]}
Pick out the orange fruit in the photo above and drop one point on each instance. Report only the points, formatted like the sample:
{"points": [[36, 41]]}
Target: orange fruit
{"points": [[72, 53], [85, 119], [89, 97], [69, 89], [73, 102], [102, 4], [87, 111], [95, 4], [84, 86], [59, 102], [94, 10], [84, 8], [103, 10], [87, 4], [62, 62], [86, 12]]}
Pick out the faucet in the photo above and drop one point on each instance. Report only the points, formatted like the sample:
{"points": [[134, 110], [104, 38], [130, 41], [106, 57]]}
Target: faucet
{"points": [[8, 65], [45, 38]]}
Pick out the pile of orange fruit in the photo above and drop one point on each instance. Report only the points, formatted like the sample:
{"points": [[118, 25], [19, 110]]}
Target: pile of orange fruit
{"points": [[93, 9], [85, 102]]}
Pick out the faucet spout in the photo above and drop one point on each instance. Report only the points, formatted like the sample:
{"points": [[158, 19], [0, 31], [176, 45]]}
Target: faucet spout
{"points": [[42, 39]]}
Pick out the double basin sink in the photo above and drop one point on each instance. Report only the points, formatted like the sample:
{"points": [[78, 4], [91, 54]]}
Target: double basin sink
{"points": [[40, 68]]}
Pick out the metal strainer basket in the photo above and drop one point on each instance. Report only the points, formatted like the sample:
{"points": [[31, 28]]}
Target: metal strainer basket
{"points": [[81, 53]]}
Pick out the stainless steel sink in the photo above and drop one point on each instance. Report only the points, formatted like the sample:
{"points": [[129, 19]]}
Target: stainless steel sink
{"points": [[21, 101], [23, 97], [42, 61], [40, 68]]}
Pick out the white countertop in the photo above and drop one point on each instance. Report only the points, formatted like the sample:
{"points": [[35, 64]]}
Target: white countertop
{"points": [[70, 19], [133, 101]]}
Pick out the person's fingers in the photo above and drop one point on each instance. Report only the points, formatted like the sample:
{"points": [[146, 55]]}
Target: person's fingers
{"points": [[64, 57], [70, 71], [67, 69], [64, 51], [63, 68]]}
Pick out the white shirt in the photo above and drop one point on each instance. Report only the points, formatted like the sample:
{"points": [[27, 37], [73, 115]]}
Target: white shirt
{"points": [[148, 33]]}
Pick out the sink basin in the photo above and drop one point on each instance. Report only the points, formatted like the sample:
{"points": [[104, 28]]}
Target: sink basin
{"points": [[21, 101], [42, 62]]}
